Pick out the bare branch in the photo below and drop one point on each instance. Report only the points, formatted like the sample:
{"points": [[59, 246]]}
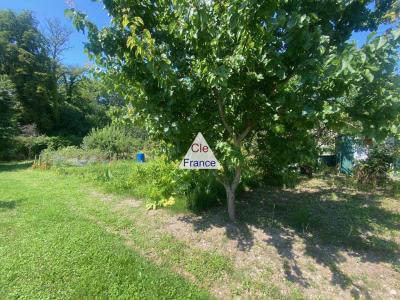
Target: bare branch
{"points": [[58, 37]]}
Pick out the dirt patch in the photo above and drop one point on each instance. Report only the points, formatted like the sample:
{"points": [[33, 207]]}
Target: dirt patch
{"points": [[273, 258], [290, 259], [123, 203], [129, 202], [101, 196]]}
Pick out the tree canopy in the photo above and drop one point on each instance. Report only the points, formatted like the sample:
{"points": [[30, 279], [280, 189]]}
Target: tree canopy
{"points": [[239, 71], [54, 98]]}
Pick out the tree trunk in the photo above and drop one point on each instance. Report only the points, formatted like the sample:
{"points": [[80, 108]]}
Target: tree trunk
{"points": [[230, 197], [230, 189]]}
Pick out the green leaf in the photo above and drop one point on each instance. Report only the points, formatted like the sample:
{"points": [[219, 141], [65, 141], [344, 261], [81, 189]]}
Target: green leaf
{"points": [[394, 129], [125, 20], [381, 42], [363, 57], [369, 75], [69, 13], [396, 33]]}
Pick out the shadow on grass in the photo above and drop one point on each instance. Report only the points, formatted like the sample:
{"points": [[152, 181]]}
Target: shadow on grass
{"points": [[327, 218], [14, 166], [9, 204]]}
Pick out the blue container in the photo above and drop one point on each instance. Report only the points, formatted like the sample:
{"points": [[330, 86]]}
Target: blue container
{"points": [[140, 157]]}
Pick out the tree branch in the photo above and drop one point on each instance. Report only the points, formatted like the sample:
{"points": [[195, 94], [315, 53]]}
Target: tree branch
{"points": [[222, 115], [239, 139]]}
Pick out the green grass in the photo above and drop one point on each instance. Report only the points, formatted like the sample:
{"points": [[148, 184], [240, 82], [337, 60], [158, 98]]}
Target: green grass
{"points": [[150, 182], [154, 181], [60, 237], [53, 245]]}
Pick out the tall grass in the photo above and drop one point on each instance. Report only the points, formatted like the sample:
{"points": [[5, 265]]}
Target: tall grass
{"points": [[155, 181]]}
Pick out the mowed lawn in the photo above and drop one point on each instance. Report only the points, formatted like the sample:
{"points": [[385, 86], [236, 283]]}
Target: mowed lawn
{"points": [[63, 236], [50, 249]]}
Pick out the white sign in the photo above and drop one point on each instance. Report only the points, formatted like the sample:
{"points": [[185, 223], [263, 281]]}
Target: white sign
{"points": [[199, 156]]}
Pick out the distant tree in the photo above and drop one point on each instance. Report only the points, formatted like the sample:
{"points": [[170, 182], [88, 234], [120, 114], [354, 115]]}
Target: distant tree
{"points": [[242, 70], [54, 98], [81, 109], [8, 111], [71, 76], [23, 57], [57, 37]]}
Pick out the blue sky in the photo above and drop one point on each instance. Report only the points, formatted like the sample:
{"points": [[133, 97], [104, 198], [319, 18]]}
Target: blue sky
{"points": [[44, 9]]}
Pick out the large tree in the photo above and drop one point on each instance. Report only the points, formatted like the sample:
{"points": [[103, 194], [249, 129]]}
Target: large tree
{"points": [[241, 70], [23, 57], [8, 112], [57, 41]]}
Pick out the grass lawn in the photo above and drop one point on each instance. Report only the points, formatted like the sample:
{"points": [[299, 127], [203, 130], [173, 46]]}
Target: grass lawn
{"points": [[65, 236], [50, 249]]}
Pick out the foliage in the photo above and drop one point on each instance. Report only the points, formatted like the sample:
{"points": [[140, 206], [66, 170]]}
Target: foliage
{"points": [[36, 89], [279, 155], [158, 181], [375, 169], [8, 112], [24, 59], [69, 156], [207, 64], [162, 203], [28, 147], [80, 110], [116, 141]]}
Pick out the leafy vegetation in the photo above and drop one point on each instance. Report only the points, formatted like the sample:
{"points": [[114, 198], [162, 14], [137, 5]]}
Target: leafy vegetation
{"points": [[8, 109], [116, 141], [37, 90], [376, 168], [159, 182], [276, 87], [206, 64], [69, 156]]}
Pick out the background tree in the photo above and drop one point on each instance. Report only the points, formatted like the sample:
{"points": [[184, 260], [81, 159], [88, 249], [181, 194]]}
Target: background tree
{"points": [[57, 37], [239, 70], [58, 100], [23, 57], [81, 109], [8, 112]]}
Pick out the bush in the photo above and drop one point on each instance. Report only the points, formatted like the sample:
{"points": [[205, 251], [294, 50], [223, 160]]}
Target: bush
{"points": [[28, 147], [116, 141], [69, 156], [375, 169], [201, 190]]}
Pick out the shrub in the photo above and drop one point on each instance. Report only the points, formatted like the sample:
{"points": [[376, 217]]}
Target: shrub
{"points": [[201, 190], [375, 169], [158, 181], [116, 141], [69, 156], [28, 147]]}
